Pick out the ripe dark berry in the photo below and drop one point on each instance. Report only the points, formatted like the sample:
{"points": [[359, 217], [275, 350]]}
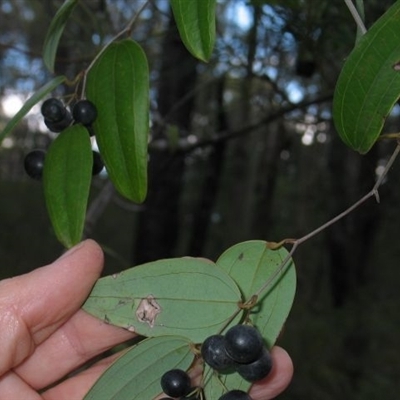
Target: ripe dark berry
{"points": [[98, 164], [243, 343], [175, 383], [53, 110], [85, 112], [34, 162], [235, 395], [258, 369], [59, 125], [214, 353]]}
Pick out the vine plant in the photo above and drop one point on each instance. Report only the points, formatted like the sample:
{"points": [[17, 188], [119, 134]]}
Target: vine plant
{"points": [[177, 303]]}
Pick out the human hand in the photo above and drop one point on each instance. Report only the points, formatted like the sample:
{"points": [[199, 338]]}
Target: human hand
{"points": [[45, 335]]}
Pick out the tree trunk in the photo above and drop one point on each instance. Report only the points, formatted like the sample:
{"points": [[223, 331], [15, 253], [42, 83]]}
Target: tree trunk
{"points": [[158, 222], [202, 214]]}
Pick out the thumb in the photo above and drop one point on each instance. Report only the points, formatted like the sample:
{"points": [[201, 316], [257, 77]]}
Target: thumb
{"points": [[34, 305]]}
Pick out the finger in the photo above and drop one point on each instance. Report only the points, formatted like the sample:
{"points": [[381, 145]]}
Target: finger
{"points": [[13, 387], [277, 380], [77, 386], [34, 305], [80, 339]]}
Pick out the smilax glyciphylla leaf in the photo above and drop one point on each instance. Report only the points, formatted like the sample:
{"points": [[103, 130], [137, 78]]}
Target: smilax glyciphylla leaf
{"points": [[181, 302], [137, 373], [66, 181], [369, 83], [55, 31], [196, 24], [186, 296], [251, 264], [118, 86]]}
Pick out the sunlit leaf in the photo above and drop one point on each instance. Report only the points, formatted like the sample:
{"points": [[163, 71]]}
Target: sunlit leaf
{"points": [[32, 101], [66, 179], [196, 24], [118, 84], [253, 263], [188, 297], [136, 375], [55, 31], [369, 83]]}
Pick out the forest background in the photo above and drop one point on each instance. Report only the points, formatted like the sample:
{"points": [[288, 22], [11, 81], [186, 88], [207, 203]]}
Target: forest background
{"points": [[241, 148]]}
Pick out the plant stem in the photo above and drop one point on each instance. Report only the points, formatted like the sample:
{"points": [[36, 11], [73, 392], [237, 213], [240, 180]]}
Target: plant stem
{"points": [[126, 30], [357, 18], [297, 242]]}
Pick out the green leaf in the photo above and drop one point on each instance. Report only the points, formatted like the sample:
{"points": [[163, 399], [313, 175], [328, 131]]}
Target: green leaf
{"points": [[55, 31], [216, 384], [253, 263], [196, 24], [66, 180], [188, 297], [32, 101], [369, 83], [118, 84], [136, 374]]}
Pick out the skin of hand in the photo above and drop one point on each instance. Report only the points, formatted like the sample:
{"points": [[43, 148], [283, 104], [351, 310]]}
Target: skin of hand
{"points": [[45, 335]]}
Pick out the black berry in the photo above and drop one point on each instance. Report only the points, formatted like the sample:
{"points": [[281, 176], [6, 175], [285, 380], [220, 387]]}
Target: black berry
{"points": [[59, 125], [235, 395], [243, 343], [175, 383], [53, 110], [214, 353], [34, 162], [98, 164], [85, 112], [258, 369]]}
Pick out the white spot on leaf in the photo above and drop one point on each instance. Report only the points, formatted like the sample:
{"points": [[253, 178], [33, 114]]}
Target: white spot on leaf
{"points": [[148, 310]]}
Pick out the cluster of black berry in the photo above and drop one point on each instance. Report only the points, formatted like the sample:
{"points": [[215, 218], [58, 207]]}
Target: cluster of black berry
{"points": [[57, 118], [240, 350], [177, 384]]}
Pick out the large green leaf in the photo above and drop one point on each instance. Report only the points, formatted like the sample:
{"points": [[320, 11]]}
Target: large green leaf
{"points": [[369, 83], [118, 84], [33, 100], [136, 375], [66, 178], [188, 297], [253, 263], [55, 31], [196, 24]]}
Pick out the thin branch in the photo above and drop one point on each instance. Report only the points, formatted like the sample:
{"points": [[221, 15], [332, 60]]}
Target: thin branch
{"points": [[229, 135], [126, 30], [297, 242], [356, 16]]}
